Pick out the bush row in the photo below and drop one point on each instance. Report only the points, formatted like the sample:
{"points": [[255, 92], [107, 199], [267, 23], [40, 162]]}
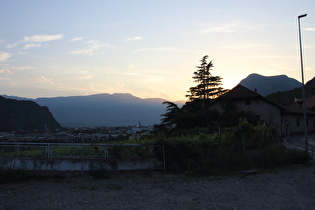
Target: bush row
{"points": [[204, 159]]}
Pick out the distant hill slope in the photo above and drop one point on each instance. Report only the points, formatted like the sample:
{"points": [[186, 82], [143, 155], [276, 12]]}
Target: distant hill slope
{"points": [[119, 109], [287, 97], [266, 85], [310, 83], [25, 115]]}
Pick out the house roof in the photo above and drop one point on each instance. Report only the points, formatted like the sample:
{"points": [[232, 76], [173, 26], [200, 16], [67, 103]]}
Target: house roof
{"points": [[295, 109], [239, 92]]}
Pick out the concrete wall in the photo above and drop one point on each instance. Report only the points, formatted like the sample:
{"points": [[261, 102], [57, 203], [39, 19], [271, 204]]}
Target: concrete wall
{"points": [[267, 112], [80, 164], [294, 123]]}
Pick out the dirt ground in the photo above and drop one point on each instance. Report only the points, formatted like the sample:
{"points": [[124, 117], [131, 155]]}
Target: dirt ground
{"points": [[284, 189]]}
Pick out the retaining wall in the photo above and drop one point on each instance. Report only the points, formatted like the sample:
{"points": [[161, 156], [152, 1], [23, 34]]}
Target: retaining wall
{"points": [[80, 164]]}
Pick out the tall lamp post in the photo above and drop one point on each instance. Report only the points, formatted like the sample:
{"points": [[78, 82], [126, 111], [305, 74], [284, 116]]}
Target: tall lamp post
{"points": [[303, 86]]}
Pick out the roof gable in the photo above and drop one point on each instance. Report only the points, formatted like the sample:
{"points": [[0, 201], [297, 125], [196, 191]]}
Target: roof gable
{"points": [[239, 92]]}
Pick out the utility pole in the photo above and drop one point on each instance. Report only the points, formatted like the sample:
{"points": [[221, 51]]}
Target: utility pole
{"points": [[303, 86]]}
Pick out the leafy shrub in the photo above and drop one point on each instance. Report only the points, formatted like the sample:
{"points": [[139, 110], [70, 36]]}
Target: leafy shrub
{"points": [[200, 157], [245, 136]]}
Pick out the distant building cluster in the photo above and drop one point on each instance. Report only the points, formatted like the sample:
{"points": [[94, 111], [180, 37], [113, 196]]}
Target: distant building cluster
{"points": [[81, 134]]}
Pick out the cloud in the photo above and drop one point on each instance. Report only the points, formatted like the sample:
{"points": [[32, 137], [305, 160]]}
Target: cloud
{"points": [[33, 45], [20, 68], [160, 49], [227, 28], [76, 39], [4, 56], [154, 79], [5, 71], [4, 78], [12, 45], [92, 47], [42, 38], [35, 39], [241, 46], [131, 66], [46, 80], [85, 75], [134, 38], [166, 49], [268, 56]]}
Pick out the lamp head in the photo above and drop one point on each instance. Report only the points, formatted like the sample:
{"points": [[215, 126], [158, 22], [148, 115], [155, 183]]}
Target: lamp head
{"points": [[301, 16]]}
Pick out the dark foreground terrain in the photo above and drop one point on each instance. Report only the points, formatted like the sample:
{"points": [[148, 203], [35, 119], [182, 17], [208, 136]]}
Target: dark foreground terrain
{"points": [[285, 189]]}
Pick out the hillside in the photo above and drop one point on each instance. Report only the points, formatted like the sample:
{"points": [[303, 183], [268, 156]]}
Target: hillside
{"points": [[265, 85], [287, 97], [310, 83], [119, 109], [25, 115]]}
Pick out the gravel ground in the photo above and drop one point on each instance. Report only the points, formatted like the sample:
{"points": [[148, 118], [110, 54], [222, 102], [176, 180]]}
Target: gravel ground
{"points": [[287, 189]]}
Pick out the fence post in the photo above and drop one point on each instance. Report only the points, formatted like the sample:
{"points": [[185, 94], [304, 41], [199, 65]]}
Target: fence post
{"points": [[105, 152], [17, 149], [49, 151], [164, 158]]}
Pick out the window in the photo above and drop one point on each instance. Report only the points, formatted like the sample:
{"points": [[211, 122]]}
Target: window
{"points": [[247, 102]]}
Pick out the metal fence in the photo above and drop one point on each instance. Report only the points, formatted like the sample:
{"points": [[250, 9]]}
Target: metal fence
{"points": [[84, 151]]}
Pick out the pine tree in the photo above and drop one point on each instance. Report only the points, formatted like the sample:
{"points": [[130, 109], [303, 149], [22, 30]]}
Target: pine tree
{"points": [[172, 111], [208, 86], [195, 112]]}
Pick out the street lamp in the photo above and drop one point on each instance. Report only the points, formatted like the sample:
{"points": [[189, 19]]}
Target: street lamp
{"points": [[303, 86]]}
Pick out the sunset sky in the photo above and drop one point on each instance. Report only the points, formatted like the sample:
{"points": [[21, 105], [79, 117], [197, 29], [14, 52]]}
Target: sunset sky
{"points": [[147, 48]]}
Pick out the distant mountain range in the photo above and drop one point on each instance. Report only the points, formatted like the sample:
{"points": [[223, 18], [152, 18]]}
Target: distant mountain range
{"points": [[104, 110], [123, 109], [265, 85], [119, 109]]}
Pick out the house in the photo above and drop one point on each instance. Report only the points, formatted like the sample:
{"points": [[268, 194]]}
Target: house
{"points": [[283, 119]]}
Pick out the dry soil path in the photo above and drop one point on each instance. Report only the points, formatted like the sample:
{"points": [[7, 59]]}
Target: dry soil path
{"points": [[290, 189]]}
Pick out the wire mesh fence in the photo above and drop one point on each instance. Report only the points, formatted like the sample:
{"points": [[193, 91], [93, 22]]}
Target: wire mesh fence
{"points": [[70, 151]]}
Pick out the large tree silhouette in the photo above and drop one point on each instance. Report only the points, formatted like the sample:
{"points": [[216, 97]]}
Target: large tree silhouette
{"points": [[195, 112], [208, 86]]}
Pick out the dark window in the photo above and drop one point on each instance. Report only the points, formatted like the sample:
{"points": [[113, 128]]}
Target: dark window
{"points": [[247, 102], [297, 122]]}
